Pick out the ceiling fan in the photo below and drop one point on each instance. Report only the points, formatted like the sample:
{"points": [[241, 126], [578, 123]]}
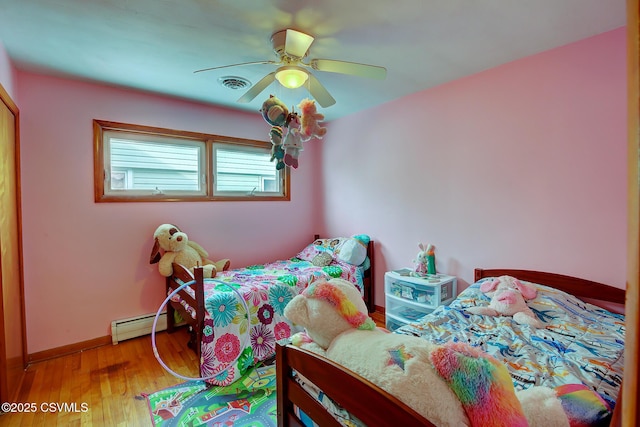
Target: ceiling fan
{"points": [[291, 47]]}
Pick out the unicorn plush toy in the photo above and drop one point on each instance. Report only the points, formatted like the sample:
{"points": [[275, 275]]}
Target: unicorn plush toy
{"points": [[428, 377]]}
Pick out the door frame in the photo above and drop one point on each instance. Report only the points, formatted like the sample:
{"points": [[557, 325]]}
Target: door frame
{"points": [[630, 398], [13, 108]]}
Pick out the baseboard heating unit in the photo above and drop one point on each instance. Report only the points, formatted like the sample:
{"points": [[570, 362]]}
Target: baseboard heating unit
{"points": [[133, 327]]}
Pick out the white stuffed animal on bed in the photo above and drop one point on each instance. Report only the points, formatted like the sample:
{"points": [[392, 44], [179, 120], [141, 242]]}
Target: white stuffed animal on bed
{"points": [[179, 249], [508, 298], [414, 369]]}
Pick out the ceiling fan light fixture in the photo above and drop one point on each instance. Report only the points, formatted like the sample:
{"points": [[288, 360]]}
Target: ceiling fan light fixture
{"points": [[291, 77]]}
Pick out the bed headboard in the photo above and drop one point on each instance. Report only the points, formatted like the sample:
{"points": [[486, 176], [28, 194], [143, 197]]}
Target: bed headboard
{"points": [[581, 288], [368, 276]]}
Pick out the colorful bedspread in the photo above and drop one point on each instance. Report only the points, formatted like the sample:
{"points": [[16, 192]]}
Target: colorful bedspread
{"points": [[231, 343], [580, 343]]}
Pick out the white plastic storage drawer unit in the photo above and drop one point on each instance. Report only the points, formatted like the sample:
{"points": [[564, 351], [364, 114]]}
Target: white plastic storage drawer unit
{"points": [[409, 296]]}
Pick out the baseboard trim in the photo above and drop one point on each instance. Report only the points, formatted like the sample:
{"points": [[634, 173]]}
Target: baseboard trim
{"points": [[65, 350]]}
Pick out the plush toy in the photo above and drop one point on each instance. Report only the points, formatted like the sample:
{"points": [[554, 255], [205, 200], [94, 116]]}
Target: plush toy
{"points": [[277, 152], [292, 142], [421, 260], [353, 250], [274, 111], [179, 249], [310, 121], [425, 262], [508, 296], [428, 377]]}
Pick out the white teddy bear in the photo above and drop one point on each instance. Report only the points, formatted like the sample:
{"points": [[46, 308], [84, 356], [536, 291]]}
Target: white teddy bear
{"points": [[411, 368]]}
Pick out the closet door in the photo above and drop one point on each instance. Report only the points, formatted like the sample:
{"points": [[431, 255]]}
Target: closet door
{"points": [[12, 329]]}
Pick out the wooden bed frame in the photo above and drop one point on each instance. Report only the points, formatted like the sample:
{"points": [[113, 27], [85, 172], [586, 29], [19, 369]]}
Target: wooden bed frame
{"points": [[373, 405], [196, 325]]}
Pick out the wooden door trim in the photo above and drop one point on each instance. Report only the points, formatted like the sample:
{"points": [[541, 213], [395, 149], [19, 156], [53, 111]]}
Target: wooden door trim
{"points": [[11, 105], [630, 399]]}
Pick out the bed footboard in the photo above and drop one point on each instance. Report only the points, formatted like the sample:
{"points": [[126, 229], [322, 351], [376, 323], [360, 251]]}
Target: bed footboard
{"points": [[184, 275], [358, 396]]}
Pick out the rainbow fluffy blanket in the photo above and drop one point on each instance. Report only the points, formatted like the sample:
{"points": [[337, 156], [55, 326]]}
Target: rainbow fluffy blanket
{"points": [[583, 407], [481, 383], [485, 390]]}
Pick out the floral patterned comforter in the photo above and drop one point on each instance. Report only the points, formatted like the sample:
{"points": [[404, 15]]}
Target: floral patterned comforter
{"points": [[232, 343]]}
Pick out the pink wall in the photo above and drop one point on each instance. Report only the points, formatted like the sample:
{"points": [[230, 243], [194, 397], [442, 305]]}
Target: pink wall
{"points": [[87, 264], [521, 166], [7, 73]]}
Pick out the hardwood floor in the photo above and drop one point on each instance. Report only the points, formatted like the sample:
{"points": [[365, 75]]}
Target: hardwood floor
{"points": [[104, 386], [378, 317]]}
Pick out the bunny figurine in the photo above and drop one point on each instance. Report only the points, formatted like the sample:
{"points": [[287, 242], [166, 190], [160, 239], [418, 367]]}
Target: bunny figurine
{"points": [[425, 262]]}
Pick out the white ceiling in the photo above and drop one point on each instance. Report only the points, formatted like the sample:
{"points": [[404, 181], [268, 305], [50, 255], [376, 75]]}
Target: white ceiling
{"points": [[156, 45]]}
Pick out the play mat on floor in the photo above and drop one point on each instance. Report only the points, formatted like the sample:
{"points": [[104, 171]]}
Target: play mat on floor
{"points": [[250, 401]]}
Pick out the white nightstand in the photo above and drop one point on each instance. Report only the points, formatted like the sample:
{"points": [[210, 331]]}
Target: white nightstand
{"points": [[409, 297]]}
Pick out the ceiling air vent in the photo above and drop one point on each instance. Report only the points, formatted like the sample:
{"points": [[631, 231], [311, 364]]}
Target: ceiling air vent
{"points": [[233, 82]]}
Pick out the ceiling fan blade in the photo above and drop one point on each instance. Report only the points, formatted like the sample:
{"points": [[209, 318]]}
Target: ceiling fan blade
{"points": [[297, 44], [257, 88], [319, 93], [237, 65], [351, 68]]}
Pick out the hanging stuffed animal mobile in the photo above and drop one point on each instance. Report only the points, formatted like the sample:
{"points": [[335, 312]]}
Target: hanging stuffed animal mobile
{"points": [[310, 120], [277, 152], [275, 113], [292, 142], [289, 129]]}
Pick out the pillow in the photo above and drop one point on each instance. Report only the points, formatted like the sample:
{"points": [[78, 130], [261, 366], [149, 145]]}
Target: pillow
{"points": [[352, 250], [329, 244], [317, 247]]}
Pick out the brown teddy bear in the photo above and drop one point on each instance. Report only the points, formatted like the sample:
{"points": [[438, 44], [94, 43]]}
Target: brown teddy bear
{"points": [[179, 249]]}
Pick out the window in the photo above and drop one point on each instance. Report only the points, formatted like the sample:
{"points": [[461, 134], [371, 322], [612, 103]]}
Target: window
{"points": [[139, 163], [243, 172]]}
